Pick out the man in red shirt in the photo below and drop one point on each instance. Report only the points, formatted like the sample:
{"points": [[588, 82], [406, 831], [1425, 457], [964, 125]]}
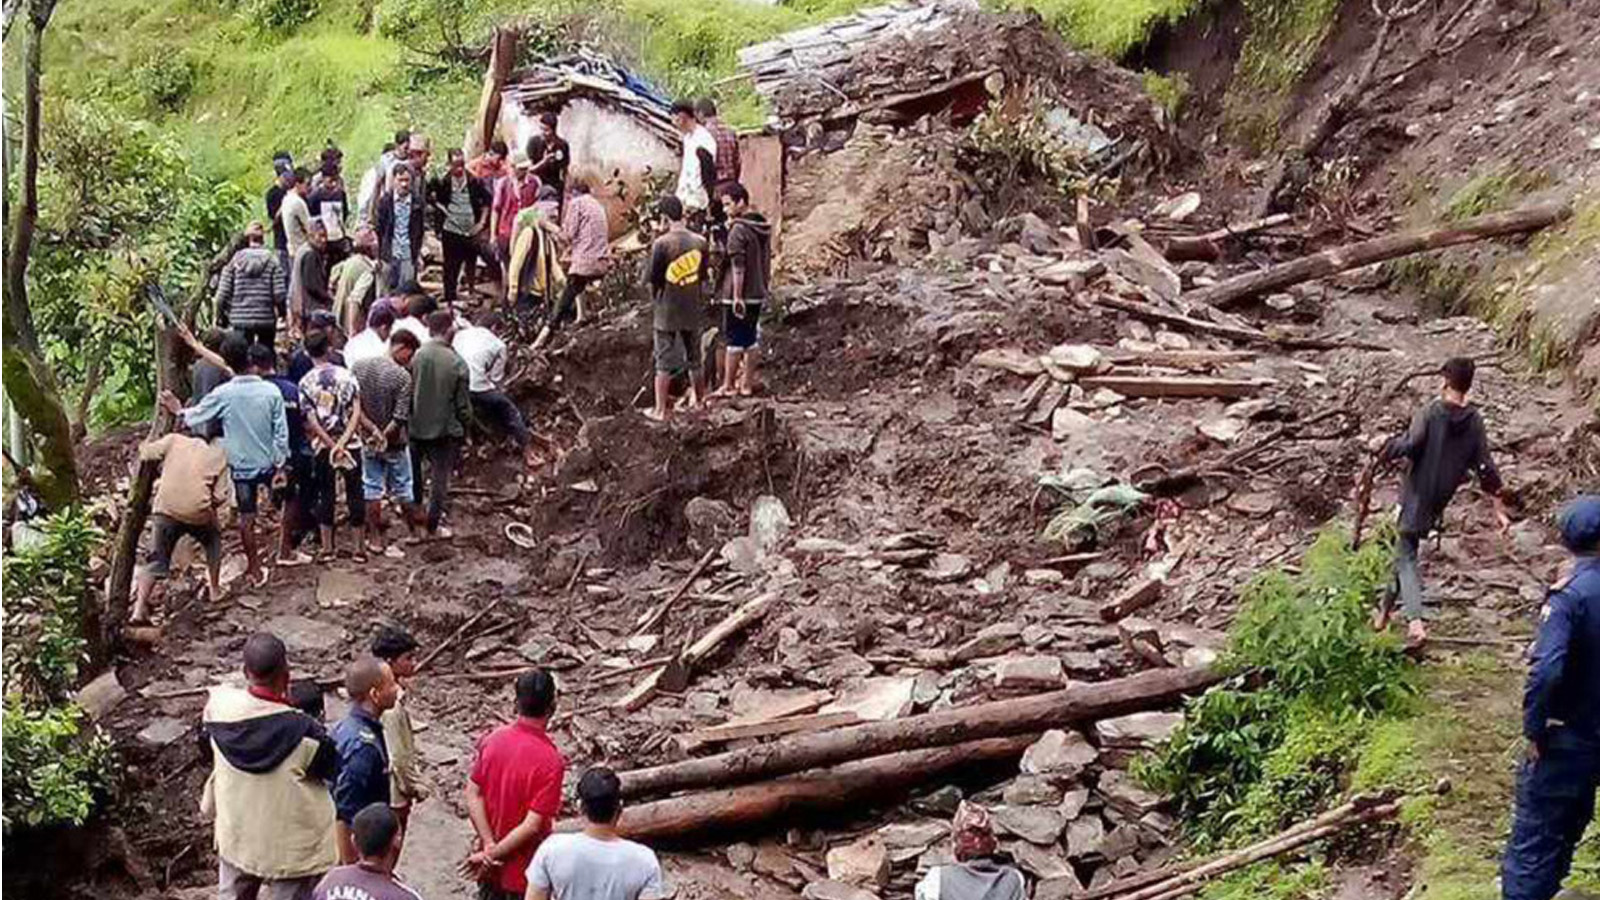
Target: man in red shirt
{"points": [[514, 792]]}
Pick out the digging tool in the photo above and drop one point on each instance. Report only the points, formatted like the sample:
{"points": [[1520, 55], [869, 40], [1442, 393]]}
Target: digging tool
{"points": [[1369, 474]]}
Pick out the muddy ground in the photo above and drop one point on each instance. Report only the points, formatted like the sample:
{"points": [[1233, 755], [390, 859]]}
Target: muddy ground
{"points": [[876, 430], [872, 424]]}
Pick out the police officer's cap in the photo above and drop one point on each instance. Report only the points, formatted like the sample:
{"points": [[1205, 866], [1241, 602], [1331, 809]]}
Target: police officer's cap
{"points": [[1580, 524]]}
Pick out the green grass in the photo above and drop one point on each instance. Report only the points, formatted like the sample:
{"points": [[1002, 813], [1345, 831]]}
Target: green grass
{"points": [[1467, 730], [1108, 27], [1283, 40], [1169, 91], [1492, 191]]}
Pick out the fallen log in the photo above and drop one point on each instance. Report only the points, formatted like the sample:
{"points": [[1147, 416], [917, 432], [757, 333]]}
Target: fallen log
{"points": [[1131, 600], [1189, 880], [678, 671], [1179, 359], [1208, 246], [1182, 322], [1021, 715], [1365, 253], [722, 734], [654, 617], [1146, 386], [872, 780]]}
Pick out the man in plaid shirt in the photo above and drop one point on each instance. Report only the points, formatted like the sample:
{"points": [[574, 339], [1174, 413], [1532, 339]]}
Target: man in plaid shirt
{"points": [[727, 142]]}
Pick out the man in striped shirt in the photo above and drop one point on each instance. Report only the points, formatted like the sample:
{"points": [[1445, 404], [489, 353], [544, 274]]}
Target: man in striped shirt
{"points": [[386, 462]]}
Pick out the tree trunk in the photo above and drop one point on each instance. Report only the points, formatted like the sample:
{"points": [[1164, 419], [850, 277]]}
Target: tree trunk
{"points": [[1000, 718], [169, 374], [28, 380], [1365, 253], [853, 785]]}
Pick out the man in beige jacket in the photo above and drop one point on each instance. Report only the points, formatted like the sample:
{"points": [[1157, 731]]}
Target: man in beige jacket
{"points": [[194, 489], [398, 648], [268, 790]]}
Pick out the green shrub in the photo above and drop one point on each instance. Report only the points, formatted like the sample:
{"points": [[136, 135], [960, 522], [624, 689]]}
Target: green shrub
{"points": [[56, 765], [280, 16], [164, 80], [1249, 760], [46, 591], [1492, 191], [1111, 28]]}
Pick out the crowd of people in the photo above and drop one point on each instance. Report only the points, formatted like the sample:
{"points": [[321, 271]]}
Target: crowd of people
{"points": [[333, 374]]}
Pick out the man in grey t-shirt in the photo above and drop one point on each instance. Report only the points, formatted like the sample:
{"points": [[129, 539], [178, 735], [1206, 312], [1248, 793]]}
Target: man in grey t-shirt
{"points": [[596, 863], [376, 830]]}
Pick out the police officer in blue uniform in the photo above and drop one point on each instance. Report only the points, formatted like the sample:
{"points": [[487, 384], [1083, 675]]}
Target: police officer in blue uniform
{"points": [[1561, 720]]}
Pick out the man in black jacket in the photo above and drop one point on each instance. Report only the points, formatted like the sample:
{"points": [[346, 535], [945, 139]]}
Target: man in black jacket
{"points": [[743, 289], [1445, 443], [253, 291], [400, 220], [460, 205]]}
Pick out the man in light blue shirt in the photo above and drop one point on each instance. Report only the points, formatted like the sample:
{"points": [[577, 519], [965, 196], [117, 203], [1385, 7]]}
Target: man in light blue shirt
{"points": [[255, 434]]}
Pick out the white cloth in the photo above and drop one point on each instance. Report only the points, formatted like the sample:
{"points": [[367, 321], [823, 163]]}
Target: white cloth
{"points": [[580, 867], [691, 189], [366, 344], [413, 325], [485, 356]]}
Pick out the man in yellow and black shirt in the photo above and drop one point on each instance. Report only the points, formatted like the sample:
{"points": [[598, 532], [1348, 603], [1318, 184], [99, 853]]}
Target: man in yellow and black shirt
{"points": [[678, 280]]}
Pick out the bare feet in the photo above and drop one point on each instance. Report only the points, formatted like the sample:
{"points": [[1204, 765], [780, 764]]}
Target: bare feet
{"points": [[298, 559], [655, 415], [1416, 634]]}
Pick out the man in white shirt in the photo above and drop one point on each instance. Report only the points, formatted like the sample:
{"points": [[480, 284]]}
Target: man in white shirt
{"points": [[371, 341], [485, 355], [596, 863], [295, 213], [698, 172]]}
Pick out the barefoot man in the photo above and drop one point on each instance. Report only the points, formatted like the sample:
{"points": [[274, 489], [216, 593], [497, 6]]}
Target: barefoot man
{"points": [[1445, 443], [677, 282]]}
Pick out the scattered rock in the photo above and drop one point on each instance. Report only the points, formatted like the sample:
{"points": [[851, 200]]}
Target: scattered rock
{"points": [[834, 890], [163, 731], [876, 699], [1041, 864], [1073, 802], [338, 587], [817, 546], [1035, 824], [1257, 503], [741, 856], [948, 567], [1037, 635], [1029, 789], [100, 696], [917, 836], [1080, 359], [1043, 576], [302, 635], [743, 555], [1171, 340], [1178, 208], [710, 521], [1025, 672], [942, 802], [1225, 430], [1084, 836], [864, 863], [1058, 755], [1009, 359], [1062, 888], [1119, 843], [1121, 792], [773, 861], [769, 523], [1067, 423], [1141, 729]]}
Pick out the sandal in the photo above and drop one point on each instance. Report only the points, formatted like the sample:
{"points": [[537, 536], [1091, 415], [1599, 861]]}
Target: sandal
{"points": [[298, 559], [262, 578]]}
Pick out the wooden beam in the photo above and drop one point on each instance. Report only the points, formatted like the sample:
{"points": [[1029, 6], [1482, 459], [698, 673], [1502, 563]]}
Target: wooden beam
{"points": [[1365, 253], [1000, 718], [502, 56], [1145, 386], [722, 734], [1135, 598]]}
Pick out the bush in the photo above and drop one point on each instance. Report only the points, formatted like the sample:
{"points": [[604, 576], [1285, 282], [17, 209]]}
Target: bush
{"points": [[46, 591], [164, 80], [1013, 144], [280, 16], [57, 767], [1247, 762]]}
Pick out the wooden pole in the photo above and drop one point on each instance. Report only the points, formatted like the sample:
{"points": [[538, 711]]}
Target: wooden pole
{"points": [[502, 57], [1365, 253], [1000, 718], [873, 781]]}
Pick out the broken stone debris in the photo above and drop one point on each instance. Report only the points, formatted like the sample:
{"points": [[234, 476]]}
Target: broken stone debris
{"points": [[1059, 756], [863, 863]]}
